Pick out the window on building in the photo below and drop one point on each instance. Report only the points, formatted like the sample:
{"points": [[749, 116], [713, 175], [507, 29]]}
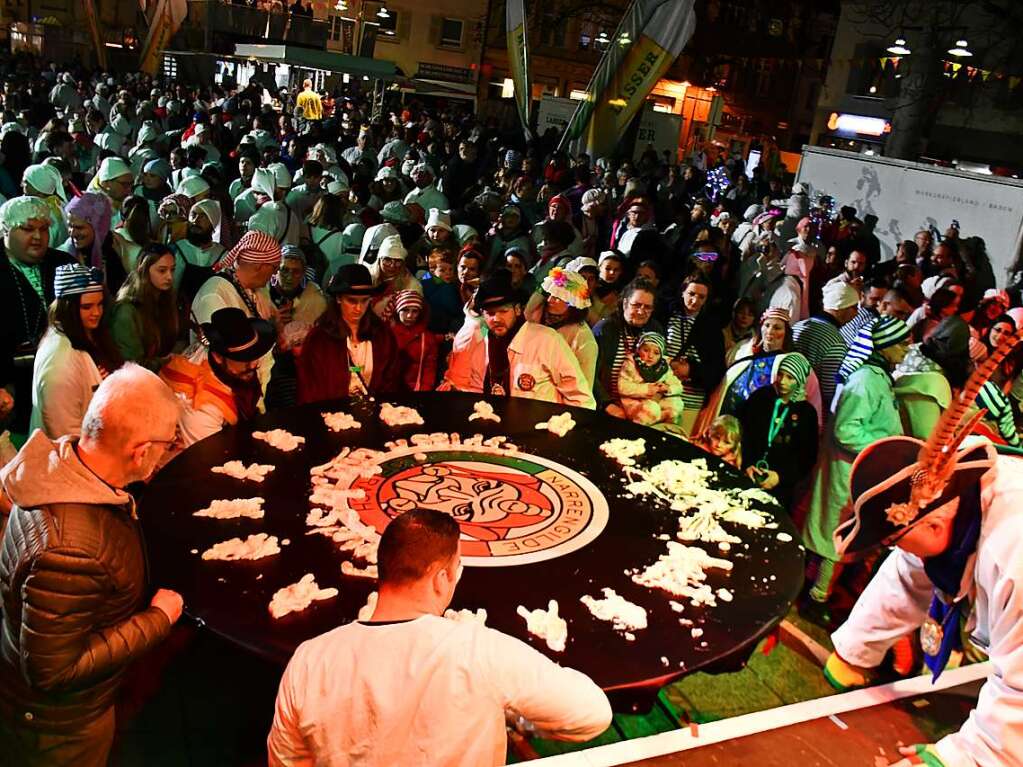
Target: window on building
{"points": [[341, 32], [552, 32], [862, 77], [587, 35], [451, 31], [389, 26], [170, 67], [334, 28]]}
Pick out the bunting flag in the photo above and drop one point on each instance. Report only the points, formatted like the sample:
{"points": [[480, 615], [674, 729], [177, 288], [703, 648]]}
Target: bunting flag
{"points": [[649, 38], [166, 19], [518, 61]]}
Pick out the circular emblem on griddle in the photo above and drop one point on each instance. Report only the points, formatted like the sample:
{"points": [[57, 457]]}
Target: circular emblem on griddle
{"points": [[512, 509]]}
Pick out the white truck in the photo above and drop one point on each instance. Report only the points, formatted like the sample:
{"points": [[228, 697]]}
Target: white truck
{"points": [[909, 196]]}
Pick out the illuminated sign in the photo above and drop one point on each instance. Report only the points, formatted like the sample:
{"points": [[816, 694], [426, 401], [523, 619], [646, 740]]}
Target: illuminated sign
{"points": [[858, 124]]}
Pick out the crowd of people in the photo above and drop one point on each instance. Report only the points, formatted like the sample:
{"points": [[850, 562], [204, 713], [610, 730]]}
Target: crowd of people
{"points": [[254, 251]]}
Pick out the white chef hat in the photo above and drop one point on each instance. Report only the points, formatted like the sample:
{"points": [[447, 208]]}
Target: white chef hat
{"points": [[120, 125], [840, 295], [282, 176], [113, 167], [337, 186], [193, 186], [930, 286], [112, 142], [147, 132], [391, 247], [211, 209], [45, 179], [263, 181], [439, 218]]}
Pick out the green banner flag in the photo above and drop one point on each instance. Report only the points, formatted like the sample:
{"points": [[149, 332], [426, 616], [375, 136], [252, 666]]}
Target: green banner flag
{"points": [[518, 61], [649, 38]]}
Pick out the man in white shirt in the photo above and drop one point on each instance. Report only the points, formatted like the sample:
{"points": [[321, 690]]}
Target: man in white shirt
{"points": [[409, 687], [513, 357], [425, 194], [302, 197]]}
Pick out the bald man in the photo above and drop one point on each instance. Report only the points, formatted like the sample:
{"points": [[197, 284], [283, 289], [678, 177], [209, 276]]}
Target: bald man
{"points": [[76, 606]]}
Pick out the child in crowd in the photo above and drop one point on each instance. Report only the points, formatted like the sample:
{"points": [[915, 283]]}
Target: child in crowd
{"points": [[440, 289], [650, 392], [438, 240], [723, 438], [417, 346]]}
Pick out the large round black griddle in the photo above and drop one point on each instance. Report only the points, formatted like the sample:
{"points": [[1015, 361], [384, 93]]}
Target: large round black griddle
{"points": [[231, 598]]}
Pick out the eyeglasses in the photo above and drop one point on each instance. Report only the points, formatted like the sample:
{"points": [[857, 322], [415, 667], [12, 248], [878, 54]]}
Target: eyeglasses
{"points": [[176, 441], [640, 307]]}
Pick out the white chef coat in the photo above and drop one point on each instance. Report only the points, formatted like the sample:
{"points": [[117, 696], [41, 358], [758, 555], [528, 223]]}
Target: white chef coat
{"points": [[896, 602], [430, 691], [428, 197], [542, 365]]}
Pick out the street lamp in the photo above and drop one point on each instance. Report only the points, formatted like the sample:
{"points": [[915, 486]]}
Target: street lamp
{"points": [[899, 47], [624, 39], [341, 6], [382, 13], [602, 38], [960, 50]]}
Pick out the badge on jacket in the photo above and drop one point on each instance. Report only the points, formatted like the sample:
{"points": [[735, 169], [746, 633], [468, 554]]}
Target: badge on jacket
{"points": [[526, 382]]}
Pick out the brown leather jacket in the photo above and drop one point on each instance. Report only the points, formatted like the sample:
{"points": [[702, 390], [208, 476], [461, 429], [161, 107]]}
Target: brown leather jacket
{"points": [[73, 588]]}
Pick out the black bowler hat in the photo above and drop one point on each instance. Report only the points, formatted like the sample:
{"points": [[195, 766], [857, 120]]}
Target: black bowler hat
{"points": [[497, 290], [233, 334], [352, 280]]}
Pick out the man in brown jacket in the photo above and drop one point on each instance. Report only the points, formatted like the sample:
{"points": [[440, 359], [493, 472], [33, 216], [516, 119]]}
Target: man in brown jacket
{"points": [[73, 575]]}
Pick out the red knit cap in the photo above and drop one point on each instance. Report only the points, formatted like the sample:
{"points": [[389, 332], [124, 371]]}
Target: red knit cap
{"points": [[777, 313], [255, 247], [407, 299]]}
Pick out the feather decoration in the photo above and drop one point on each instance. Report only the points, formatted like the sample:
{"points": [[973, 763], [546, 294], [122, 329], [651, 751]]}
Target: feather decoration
{"points": [[937, 457]]}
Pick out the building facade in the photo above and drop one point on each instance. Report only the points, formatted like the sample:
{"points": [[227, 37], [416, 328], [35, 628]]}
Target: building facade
{"points": [[972, 108], [751, 73]]}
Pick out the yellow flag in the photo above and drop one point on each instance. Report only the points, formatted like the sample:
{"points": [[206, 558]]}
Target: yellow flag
{"points": [[166, 19], [518, 60], [656, 47]]}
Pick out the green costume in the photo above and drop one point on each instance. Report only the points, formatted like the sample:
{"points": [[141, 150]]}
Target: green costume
{"points": [[865, 412]]}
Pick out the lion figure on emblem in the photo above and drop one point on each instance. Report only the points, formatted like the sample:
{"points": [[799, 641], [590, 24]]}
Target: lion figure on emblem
{"points": [[487, 505]]}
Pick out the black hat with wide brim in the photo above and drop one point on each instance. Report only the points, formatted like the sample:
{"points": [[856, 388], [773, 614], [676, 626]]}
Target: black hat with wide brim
{"points": [[232, 334], [881, 482], [353, 280], [497, 290]]}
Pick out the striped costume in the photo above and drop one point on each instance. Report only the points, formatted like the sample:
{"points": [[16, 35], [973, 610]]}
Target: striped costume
{"points": [[819, 340], [850, 329], [999, 410], [681, 346]]}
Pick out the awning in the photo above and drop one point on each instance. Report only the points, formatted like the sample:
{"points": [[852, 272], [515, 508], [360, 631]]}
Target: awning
{"points": [[427, 87], [326, 61]]}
